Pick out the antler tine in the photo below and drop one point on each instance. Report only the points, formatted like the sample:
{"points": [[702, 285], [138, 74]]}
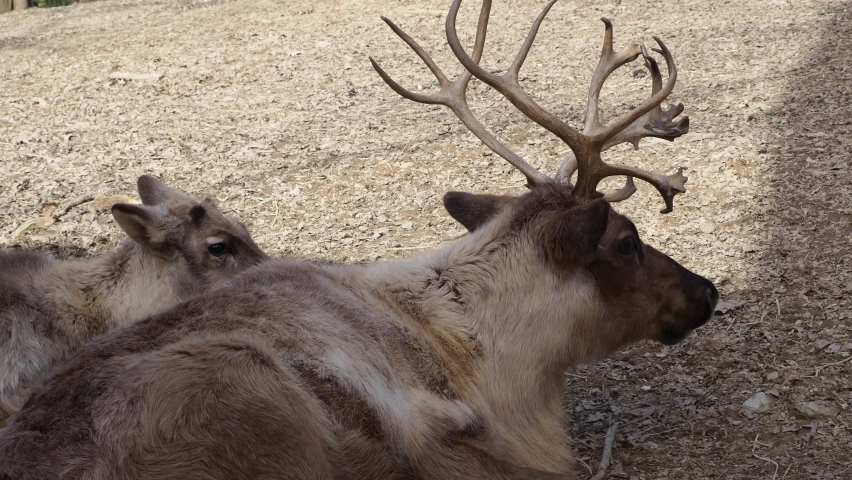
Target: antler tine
{"points": [[667, 185], [453, 96], [602, 135], [433, 67], [507, 84], [608, 63], [623, 194], [657, 122], [566, 170]]}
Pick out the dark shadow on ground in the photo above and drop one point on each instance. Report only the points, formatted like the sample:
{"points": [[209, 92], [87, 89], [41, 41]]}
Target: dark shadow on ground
{"points": [[681, 409]]}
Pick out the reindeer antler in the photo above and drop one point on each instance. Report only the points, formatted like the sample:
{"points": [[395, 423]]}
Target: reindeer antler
{"points": [[453, 95], [646, 120]]}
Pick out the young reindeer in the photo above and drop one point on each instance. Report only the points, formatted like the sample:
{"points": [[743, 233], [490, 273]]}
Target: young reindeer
{"points": [[178, 248], [446, 366]]}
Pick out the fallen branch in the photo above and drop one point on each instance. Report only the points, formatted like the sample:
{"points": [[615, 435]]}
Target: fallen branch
{"points": [[71, 204], [585, 465], [819, 368], [607, 453], [765, 459], [23, 228]]}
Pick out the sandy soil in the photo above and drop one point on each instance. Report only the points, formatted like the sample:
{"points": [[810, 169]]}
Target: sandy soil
{"points": [[273, 108]]}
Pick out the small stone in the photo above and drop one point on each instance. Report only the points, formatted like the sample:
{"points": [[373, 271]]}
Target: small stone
{"points": [[816, 409], [748, 248], [726, 306], [407, 225], [708, 227], [772, 376], [758, 403]]}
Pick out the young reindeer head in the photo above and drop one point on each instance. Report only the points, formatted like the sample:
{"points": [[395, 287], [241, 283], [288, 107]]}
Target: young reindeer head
{"points": [[187, 236], [642, 292]]}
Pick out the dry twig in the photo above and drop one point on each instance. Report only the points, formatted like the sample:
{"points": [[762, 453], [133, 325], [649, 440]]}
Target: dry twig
{"points": [[819, 368], [765, 459], [586, 465], [72, 203], [607, 453]]}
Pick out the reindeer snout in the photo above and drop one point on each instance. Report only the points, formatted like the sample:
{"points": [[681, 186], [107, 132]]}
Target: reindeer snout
{"points": [[710, 297]]}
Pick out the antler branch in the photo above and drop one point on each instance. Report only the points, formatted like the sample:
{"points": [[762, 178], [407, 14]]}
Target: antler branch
{"points": [[453, 96], [507, 84], [607, 64], [647, 120], [656, 122]]}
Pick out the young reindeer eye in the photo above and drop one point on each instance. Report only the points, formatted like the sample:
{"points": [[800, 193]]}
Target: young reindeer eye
{"points": [[218, 249], [627, 246]]}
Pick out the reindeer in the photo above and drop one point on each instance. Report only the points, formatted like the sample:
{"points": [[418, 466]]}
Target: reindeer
{"points": [[178, 248], [448, 366]]}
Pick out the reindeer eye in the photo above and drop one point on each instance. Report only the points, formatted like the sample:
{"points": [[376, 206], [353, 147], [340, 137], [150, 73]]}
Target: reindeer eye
{"points": [[218, 249], [627, 246]]}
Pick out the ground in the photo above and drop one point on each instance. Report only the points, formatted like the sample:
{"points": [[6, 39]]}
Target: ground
{"points": [[274, 109]]}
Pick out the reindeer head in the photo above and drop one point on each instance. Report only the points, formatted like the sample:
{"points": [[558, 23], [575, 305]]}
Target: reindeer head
{"points": [[642, 293], [182, 231]]}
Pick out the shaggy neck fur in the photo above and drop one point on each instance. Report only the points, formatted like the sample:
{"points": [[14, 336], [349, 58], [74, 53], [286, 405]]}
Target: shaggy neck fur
{"points": [[499, 293]]}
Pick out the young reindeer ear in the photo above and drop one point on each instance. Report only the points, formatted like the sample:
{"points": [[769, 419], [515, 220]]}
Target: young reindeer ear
{"points": [[473, 210], [198, 213], [573, 236], [141, 223], [154, 192]]}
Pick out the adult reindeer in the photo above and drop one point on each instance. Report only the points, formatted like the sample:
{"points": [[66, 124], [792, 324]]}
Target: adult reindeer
{"points": [[449, 365], [178, 248]]}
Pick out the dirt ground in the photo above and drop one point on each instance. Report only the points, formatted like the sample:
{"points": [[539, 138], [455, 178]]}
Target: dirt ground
{"points": [[273, 108]]}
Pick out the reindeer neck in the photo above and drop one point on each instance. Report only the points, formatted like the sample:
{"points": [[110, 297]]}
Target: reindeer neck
{"points": [[115, 288], [530, 340], [500, 308]]}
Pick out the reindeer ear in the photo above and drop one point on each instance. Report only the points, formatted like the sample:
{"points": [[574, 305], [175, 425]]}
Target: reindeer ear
{"points": [[154, 192], [141, 223], [197, 213], [473, 210], [574, 236]]}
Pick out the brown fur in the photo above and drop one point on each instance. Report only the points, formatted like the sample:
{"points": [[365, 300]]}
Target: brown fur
{"points": [[446, 366], [49, 308]]}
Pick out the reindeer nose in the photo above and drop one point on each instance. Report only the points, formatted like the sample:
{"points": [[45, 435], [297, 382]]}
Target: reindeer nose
{"points": [[705, 305], [712, 296]]}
